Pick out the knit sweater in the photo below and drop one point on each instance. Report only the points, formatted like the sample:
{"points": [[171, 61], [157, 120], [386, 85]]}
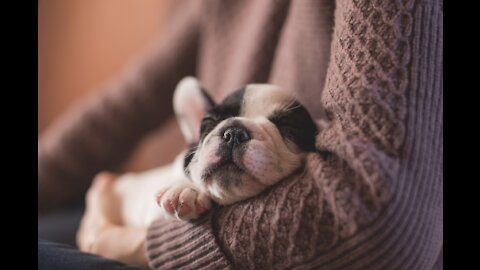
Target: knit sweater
{"points": [[373, 68]]}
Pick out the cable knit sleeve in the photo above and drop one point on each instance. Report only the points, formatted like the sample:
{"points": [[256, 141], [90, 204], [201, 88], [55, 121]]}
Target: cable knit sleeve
{"points": [[376, 201], [101, 131]]}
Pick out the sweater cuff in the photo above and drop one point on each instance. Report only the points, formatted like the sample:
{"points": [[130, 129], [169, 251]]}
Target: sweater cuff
{"points": [[184, 245]]}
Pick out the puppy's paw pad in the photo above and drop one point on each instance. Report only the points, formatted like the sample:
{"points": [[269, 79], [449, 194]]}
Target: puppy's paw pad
{"points": [[184, 210], [183, 202], [169, 206]]}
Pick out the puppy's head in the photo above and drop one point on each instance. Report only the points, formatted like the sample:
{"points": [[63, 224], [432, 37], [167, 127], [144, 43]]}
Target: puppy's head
{"points": [[252, 139]]}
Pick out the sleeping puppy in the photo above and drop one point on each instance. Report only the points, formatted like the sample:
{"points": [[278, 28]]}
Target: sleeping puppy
{"points": [[255, 137]]}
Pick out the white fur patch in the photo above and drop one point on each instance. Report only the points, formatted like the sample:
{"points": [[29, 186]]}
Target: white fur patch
{"points": [[271, 158], [264, 100], [138, 192], [204, 156]]}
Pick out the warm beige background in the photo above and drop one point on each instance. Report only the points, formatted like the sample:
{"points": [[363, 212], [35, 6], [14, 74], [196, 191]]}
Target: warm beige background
{"points": [[84, 43]]}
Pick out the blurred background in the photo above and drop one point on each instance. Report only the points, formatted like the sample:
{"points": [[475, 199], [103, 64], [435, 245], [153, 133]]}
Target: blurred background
{"points": [[84, 43]]}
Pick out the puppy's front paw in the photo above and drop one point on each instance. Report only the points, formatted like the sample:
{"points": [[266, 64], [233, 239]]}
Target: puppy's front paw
{"points": [[183, 202]]}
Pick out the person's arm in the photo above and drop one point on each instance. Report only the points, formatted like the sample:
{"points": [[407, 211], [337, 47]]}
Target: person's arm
{"points": [[375, 202], [100, 133]]}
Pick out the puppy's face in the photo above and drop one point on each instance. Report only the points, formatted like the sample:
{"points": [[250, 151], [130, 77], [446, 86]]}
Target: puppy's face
{"points": [[252, 139]]}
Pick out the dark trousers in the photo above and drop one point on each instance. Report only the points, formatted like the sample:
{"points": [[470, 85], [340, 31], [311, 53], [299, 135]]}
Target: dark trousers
{"points": [[57, 248]]}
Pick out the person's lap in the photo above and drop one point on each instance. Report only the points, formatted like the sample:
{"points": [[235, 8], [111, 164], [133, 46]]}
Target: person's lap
{"points": [[57, 248], [60, 226]]}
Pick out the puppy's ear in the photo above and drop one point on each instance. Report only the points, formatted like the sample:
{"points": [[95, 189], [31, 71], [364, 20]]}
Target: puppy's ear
{"points": [[190, 103]]}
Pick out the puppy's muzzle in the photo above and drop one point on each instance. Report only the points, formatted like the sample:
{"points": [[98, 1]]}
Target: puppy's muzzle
{"points": [[234, 139]]}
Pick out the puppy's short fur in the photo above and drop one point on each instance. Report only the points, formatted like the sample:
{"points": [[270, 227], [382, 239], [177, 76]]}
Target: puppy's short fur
{"points": [[255, 137]]}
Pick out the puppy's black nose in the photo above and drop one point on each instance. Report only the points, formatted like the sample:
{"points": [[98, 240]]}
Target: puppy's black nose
{"points": [[235, 135]]}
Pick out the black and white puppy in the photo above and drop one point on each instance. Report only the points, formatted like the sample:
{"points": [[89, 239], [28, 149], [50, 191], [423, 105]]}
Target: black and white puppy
{"points": [[255, 137]]}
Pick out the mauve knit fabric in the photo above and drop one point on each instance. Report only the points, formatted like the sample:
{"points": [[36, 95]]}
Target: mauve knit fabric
{"points": [[374, 68]]}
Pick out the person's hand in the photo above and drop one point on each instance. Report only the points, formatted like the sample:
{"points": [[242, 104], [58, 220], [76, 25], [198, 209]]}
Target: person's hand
{"points": [[101, 231], [100, 213]]}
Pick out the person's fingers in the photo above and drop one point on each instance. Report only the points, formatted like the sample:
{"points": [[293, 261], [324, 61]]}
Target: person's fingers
{"points": [[101, 184], [95, 217]]}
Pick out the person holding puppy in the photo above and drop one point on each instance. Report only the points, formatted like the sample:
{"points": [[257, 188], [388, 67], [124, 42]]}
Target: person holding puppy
{"points": [[373, 69]]}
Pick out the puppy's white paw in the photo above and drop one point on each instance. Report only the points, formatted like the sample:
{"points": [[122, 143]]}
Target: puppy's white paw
{"points": [[183, 202]]}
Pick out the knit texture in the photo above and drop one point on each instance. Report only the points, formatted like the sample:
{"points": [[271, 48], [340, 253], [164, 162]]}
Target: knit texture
{"points": [[374, 68]]}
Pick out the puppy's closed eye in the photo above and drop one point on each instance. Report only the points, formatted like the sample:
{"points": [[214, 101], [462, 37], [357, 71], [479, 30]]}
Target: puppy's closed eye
{"points": [[296, 125]]}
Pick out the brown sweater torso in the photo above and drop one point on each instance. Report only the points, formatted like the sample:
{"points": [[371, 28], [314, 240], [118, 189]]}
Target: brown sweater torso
{"points": [[374, 67]]}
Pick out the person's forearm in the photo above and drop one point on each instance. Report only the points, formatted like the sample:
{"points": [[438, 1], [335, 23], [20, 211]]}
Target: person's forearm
{"points": [[128, 245]]}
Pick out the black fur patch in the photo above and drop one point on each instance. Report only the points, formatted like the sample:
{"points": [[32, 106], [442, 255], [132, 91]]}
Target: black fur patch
{"points": [[188, 157], [207, 97], [230, 107], [296, 124]]}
